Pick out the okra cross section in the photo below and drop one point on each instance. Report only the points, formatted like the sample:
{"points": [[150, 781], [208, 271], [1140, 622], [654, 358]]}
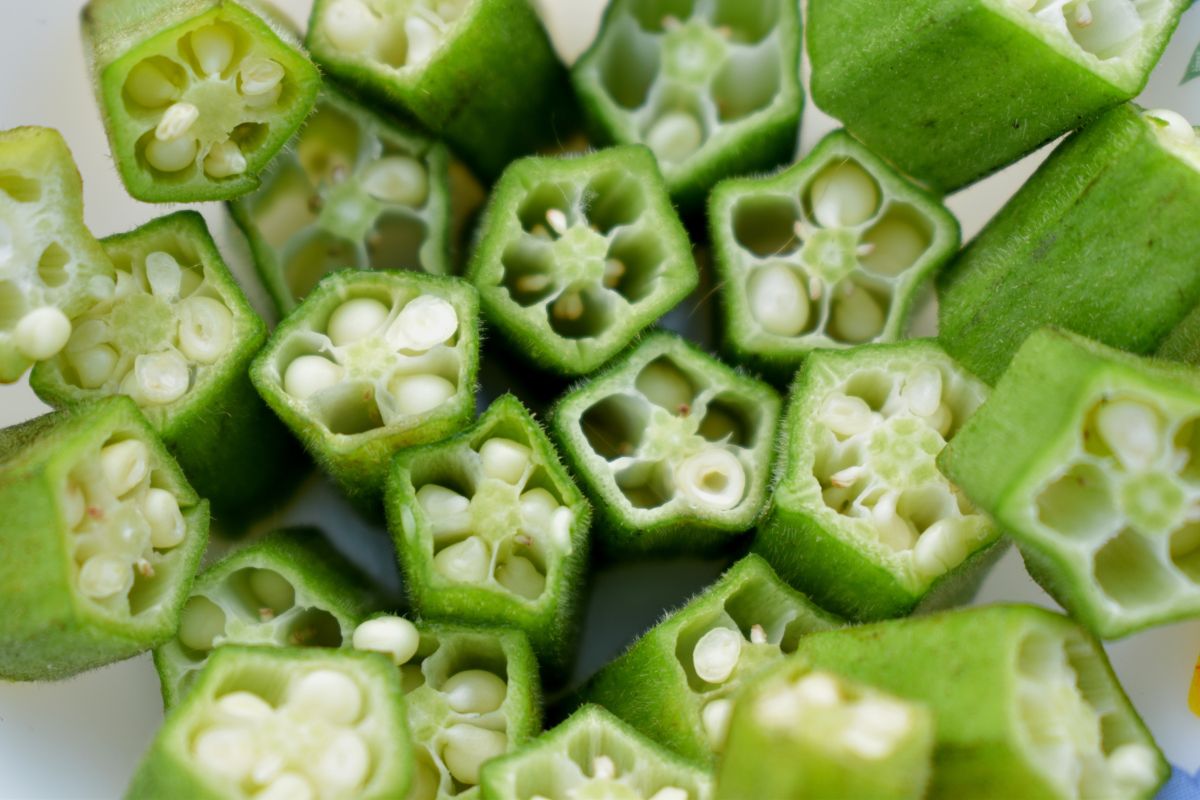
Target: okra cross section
{"points": [[711, 86], [490, 530], [1090, 459], [103, 534], [197, 96], [578, 255], [673, 447], [829, 253]]}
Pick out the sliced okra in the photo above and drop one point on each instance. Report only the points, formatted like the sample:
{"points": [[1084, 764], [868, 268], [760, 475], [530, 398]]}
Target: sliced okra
{"points": [[283, 724], [490, 530], [352, 190], [103, 535], [1025, 703], [676, 684], [196, 96], [51, 267], [924, 87], [829, 253], [579, 254], [371, 362], [673, 447], [711, 86], [1090, 459], [1130, 179]]}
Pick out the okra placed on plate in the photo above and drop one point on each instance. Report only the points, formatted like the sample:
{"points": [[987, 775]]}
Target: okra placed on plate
{"points": [[1090, 459], [1101, 241], [594, 755], [353, 190], [676, 684], [197, 96], [673, 447], [490, 530], [372, 362], [101, 534], [283, 724], [578, 254], [829, 253], [1025, 703]]}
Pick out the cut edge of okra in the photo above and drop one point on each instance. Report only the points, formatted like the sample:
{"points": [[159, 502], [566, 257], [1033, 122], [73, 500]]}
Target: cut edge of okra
{"points": [[1176, 134], [392, 36]]}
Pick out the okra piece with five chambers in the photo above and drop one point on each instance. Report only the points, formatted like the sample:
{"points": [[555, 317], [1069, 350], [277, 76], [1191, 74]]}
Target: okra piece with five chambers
{"points": [[103, 535], [1025, 703], [1090, 459], [829, 253], [861, 519], [711, 86], [490, 530], [921, 83], [197, 96], [579, 254], [353, 190], [676, 684], [673, 447]]}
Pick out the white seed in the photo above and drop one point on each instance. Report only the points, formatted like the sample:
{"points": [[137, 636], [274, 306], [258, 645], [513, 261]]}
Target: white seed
{"points": [[417, 394], [847, 415], [447, 511], [778, 300], [670, 793], [896, 244], [176, 122], [890, 527], [942, 420], [664, 384], [397, 179], [394, 636], [225, 751], [614, 270], [274, 591], [423, 40], [603, 768], [1107, 32], [467, 747], [161, 510], [201, 622], [423, 323], [819, 690], [467, 561], [519, 575], [537, 510], [939, 549], [1174, 127], [343, 765], [160, 378], [868, 745], [42, 333], [326, 694], [149, 86], [505, 460], [172, 156], [124, 465], [675, 136], [857, 316], [287, 786], [355, 320], [758, 634], [225, 160], [310, 374], [922, 391], [93, 367], [103, 576], [1134, 765], [74, 504], [877, 729], [244, 707], [350, 25], [845, 478], [260, 81], [560, 528], [534, 282], [714, 717], [213, 48], [475, 691], [844, 195], [713, 478], [425, 782], [164, 275], [88, 334], [205, 328], [569, 306], [716, 654], [1132, 430]]}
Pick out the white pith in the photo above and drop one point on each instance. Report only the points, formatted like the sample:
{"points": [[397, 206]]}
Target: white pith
{"points": [[1098, 31], [1176, 134], [401, 35]]}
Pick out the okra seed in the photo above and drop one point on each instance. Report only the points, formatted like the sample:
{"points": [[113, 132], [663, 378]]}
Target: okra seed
{"points": [[172, 156], [467, 561], [521, 577], [95, 366], [176, 122], [758, 634], [161, 378], [164, 275], [225, 160], [877, 729], [670, 793], [1174, 126], [422, 41], [843, 196], [716, 654], [161, 510], [201, 622], [778, 300], [556, 218], [244, 707], [149, 86], [847, 416], [714, 717], [475, 691], [505, 460], [326, 694], [418, 394], [124, 465], [675, 136], [42, 333], [857, 316], [939, 549], [891, 528], [394, 636], [213, 48], [310, 374], [1134, 765], [1132, 430], [355, 320], [273, 590], [603, 768], [89, 334], [714, 477], [532, 283], [103, 576], [438, 501], [896, 245], [350, 25], [397, 179], [425, 781], [225, 751], [260, 81], [942, 420], [74, 504], [422, 324], [205, 328], [287, 786], [923, 391], [845, 478], [569, 306], [538, 503], [343, 765], [1083, 14], [560, 527], [468, 747], [665, 385], [819, 690], [614, 270]]}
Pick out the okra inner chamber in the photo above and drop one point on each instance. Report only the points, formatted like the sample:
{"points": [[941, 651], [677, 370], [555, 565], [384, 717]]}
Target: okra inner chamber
{"points": [[1099, 30], [402, 35]]}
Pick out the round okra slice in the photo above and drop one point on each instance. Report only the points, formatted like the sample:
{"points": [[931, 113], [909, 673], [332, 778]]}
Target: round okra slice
{"points": [[830, 253], [352, 190], [673, 447], [103, 535], [372, 362], [266, 723], [711, 86], [196, 96], [578, 255], [490, 530]]}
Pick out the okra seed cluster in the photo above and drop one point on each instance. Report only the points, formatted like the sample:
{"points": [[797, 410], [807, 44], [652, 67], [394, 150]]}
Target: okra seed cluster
{"points": [[1104, 29], [400, 34]]}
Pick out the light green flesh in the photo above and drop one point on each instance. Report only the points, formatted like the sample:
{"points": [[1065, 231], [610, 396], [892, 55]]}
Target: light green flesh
{"points": [[390, 44]]}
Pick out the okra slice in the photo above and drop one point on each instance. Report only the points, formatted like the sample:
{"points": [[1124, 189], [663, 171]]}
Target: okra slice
{"points": [[197, 96], [272, 723], [920, 84], [102, 534], [490, 530], [673, 447], [1132, 180], [594, 755], [371, 362], [711, 86], [676, 683], [472, 695], [1088, 458], [829, 253], [1025, 703], [51, 268], [352, 190]]}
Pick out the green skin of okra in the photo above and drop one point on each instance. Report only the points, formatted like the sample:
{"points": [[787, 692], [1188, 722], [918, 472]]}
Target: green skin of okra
{"points": [[969, 667], [50, 631], [953, 90], [121, 34], [1100, 241]]}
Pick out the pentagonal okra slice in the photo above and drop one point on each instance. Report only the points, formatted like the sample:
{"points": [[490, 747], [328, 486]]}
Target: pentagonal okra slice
{"points": [[673, 446], [1025, 703], [594, 755], [676, 684], [472, 695], [51, 268], [927, 93], [829, 253], [577, 255], [1098, 480], [353, 190], [371, 362], [267, 723], [103, 534], [490, 530], [711, 86], [196, 97]]}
